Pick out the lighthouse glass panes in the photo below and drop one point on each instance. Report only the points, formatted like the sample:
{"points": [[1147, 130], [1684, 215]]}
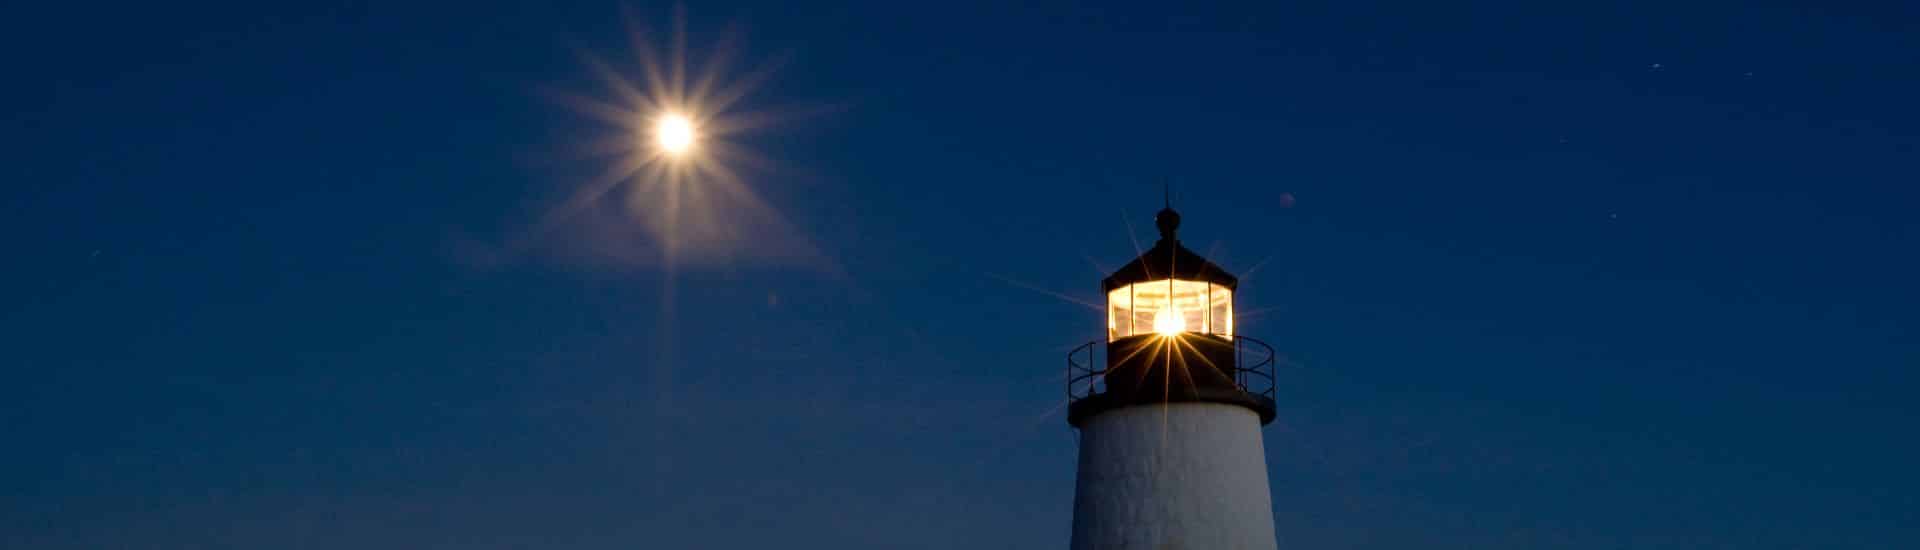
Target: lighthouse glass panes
{"points": [[1169, 306]]}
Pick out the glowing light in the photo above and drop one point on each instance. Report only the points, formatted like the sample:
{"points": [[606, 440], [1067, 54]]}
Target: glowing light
{"points": [[1151, 307], [674, 134], [1169, 322]]}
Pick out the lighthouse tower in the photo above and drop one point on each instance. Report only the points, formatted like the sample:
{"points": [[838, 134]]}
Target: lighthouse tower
{"points": [[1169, 421]]}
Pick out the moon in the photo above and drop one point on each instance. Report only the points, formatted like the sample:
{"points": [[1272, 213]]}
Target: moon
{"points": [[674, 134]]}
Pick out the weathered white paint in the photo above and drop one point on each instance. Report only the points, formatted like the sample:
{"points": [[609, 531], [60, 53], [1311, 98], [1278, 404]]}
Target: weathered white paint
{"points": [[1181, 476]]}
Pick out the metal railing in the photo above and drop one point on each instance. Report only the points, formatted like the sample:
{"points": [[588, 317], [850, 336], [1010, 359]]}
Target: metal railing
{"points": [[1254, 364]]}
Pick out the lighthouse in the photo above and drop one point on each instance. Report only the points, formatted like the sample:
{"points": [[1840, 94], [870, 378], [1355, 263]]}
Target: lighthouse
{"points": [[1169, 410]]}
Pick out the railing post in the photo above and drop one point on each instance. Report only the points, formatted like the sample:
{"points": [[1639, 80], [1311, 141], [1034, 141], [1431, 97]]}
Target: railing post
{"points": [[1239, 363]]}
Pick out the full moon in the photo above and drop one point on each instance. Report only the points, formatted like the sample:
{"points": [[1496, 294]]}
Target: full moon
{"points": [[674, 134]]}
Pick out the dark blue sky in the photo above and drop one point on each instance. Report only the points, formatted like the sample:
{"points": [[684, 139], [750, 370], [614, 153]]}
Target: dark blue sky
{"points": [[1620, 276]]}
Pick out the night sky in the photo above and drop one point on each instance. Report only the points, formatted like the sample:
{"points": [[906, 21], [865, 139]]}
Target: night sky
{"points": [[1599, 277]]}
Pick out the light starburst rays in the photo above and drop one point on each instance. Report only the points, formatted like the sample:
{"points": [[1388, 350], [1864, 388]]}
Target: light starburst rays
{"points": [[1089, 304]]}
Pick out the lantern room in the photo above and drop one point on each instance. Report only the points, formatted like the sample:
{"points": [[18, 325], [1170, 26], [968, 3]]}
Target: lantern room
{"points": [[1169, 307], [1170, 337], [1169, 291]]}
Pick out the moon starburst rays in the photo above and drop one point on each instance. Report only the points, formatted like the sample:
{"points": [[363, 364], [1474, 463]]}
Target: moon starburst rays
{"points": [[679, 176]]}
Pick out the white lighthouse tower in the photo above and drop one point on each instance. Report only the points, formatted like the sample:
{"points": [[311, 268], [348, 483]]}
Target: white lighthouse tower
{"points": [[1170, 452]]}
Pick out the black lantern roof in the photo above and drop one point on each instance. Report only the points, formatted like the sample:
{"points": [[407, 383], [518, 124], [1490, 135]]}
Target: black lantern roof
{"points": [[1168, 260]]}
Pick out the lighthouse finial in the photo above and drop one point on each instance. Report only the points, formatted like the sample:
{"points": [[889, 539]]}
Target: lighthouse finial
{"points": [[1167, 220]]}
